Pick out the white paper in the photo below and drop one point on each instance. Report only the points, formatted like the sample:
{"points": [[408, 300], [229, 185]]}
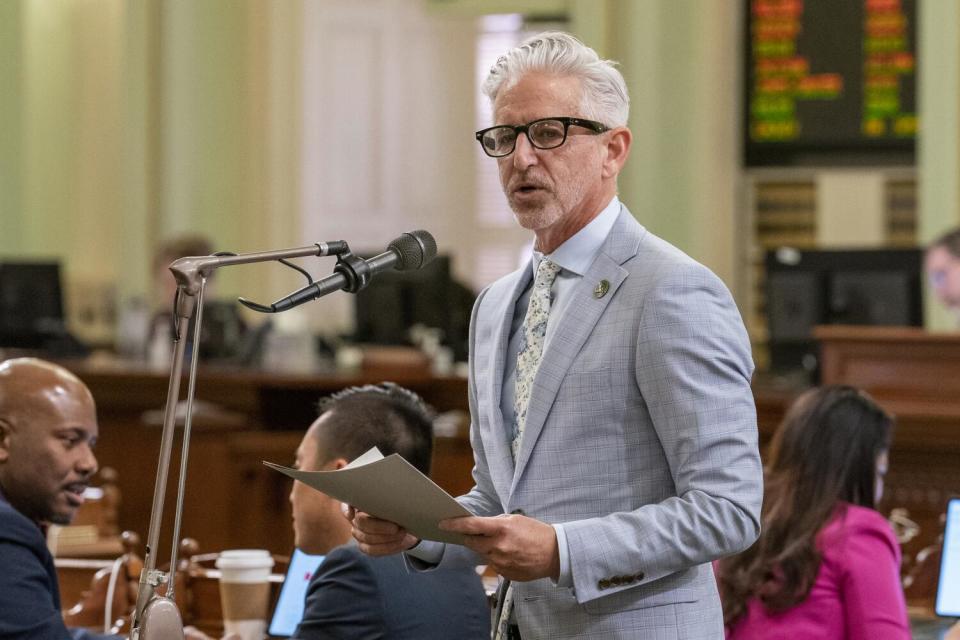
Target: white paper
{"points": [[389, 488], [370, 456]]}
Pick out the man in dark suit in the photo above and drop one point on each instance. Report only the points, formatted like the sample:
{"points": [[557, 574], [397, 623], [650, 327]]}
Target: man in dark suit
{"points": [[353, 595], [48, 428]]}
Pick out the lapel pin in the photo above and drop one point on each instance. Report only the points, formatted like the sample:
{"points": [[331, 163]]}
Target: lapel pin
{"points": [[601, 289]]}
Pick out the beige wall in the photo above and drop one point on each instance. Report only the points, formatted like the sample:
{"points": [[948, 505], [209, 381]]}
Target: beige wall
{"points": [[128, 121], [229, 113], [131, 121], [681, 63], [11, 127]]}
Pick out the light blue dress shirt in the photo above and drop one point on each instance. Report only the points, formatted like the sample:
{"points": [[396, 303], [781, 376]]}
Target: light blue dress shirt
{"points": [[574, 257]]}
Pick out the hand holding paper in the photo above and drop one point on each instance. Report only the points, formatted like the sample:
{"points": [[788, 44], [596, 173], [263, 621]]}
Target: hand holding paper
{"points": [[377, 537], [389, 488], [517, 547]]}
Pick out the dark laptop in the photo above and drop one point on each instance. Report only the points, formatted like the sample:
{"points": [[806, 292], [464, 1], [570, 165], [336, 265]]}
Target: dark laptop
{"points": [[289, 610]]}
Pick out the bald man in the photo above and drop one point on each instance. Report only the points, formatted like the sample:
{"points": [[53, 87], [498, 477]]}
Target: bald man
{"points": [[48, 429]]}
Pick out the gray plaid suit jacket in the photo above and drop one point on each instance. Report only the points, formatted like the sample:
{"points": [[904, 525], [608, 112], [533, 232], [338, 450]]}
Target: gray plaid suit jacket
{"points": [[641, 438]]}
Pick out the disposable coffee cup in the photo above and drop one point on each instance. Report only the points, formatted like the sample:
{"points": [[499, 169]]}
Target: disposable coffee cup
{"points": [[245, 591]]}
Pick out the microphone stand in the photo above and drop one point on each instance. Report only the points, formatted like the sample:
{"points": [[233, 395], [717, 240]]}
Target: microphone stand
{"points": [[156, 616]]}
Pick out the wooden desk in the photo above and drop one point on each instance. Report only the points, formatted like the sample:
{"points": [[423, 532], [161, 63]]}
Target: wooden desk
{"points": [[912, 373], [74, 576], [232, 500], [925, 625], [263, 417]]}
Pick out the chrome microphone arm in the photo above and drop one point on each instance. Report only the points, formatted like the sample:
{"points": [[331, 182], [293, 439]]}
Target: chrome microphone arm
{"points": [[188, 271], [157, 617]]}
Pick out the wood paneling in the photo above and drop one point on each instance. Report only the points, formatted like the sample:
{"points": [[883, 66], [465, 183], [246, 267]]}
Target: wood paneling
{"points": [[241, 418], [234, 501]]}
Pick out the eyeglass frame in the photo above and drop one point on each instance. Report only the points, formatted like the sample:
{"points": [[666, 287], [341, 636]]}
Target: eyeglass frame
{"points": [[596, 127]]}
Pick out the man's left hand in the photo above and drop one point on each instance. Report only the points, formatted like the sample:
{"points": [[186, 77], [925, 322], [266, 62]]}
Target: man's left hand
{"points": [[517, 547]]}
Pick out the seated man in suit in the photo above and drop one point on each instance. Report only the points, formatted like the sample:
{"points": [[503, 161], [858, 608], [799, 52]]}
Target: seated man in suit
{"points": [[353, 595], [48, 428]]}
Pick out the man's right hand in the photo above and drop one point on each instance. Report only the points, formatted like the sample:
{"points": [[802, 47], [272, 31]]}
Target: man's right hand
{"points": [[378, 537]]}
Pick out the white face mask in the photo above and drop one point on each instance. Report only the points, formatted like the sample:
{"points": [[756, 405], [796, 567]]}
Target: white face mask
{"points": [[883, 462]]}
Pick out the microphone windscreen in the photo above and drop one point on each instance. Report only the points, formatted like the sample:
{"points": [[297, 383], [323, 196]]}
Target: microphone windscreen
{"points": [[414, 249]]}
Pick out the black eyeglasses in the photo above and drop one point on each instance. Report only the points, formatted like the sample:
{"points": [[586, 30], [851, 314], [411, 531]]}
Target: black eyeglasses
{"points": [[545, 133]]}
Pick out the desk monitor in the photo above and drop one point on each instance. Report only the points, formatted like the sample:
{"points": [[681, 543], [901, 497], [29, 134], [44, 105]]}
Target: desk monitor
{"points": [[31, 304], [948, 587], [394, 301], [840, 286], [223, 332], [289, 610]]}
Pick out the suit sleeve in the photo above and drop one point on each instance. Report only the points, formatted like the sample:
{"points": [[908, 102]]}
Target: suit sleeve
{"points": [[872, 596], [29, 594], [693, 368], [27, 609], [29, 604], [343, 600]]}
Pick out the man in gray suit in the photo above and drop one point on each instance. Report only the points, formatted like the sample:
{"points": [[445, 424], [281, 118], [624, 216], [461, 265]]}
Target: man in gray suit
{"points": [[612, 415]]}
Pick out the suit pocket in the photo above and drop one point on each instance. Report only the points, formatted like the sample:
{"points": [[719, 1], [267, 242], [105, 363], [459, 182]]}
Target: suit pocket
{"points": [[636, 598]]}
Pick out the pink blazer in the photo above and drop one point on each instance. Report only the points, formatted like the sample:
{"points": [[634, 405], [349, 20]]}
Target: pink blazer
{"points": [[857, 594]]}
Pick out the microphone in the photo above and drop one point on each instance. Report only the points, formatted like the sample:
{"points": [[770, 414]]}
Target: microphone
{"points": [[410, 251]]}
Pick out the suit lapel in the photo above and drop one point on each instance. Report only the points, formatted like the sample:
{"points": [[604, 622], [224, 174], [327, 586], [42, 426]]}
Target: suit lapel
{"points": [[575, 326], [503, 310]]}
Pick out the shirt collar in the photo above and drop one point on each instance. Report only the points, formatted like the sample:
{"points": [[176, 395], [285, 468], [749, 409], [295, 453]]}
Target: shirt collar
{"points": [[577, 253]]}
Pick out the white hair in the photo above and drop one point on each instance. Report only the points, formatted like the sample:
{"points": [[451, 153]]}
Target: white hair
{"points": [[605, 96]]}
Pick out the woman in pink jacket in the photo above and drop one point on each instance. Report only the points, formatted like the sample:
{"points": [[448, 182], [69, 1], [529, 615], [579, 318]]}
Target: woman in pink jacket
{"points": [[827, 564]]}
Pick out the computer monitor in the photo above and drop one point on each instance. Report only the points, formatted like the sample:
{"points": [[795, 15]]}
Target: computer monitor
{"points": [[290, 604], [394, 301], [31, 304], [948, 585], [856, 286]]}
